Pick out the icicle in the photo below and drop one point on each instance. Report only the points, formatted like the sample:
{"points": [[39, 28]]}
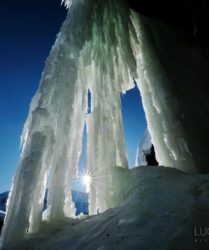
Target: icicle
{"points": [[47, 138], [159, 96], [67, 3]]}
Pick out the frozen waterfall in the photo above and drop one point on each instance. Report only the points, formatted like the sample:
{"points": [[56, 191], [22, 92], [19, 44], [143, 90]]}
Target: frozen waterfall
{"points": [[101, 48], [90, 53]]}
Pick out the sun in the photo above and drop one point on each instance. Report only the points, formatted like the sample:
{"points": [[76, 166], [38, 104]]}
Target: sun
{"points": [[87, 181]]}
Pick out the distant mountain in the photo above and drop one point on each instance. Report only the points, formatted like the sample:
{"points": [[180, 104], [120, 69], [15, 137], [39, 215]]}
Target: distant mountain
{"points": [[3, 200], [79, 198]]}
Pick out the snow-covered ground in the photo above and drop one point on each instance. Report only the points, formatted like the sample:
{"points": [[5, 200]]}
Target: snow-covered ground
{"points": [[159, 208]]}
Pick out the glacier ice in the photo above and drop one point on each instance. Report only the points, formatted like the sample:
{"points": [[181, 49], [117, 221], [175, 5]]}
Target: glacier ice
{"points": [[101, 48]]}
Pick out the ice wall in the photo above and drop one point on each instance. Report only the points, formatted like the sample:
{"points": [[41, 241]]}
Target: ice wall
{"points": [[173, 80]]}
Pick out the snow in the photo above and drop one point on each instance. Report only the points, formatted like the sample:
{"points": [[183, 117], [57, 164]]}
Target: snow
{"points": [[158, 209]]}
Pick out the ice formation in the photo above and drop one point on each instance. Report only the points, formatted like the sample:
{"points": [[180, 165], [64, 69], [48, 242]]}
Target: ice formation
{"points": [[88, 55], [169, 67], [101, 47], [67, 3], [143, 147], [145, 154]]}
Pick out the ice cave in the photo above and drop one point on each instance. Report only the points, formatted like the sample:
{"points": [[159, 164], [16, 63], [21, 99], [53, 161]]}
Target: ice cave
{"points": [[103, 48]]}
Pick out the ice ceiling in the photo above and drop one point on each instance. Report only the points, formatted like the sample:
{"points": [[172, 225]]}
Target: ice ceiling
{"points": [[101, 48]]}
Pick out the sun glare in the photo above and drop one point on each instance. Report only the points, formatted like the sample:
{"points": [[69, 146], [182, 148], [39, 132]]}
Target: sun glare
{"points": [[87, 181]]}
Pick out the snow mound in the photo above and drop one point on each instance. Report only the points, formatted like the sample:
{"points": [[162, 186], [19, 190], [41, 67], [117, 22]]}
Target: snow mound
{"points": [[158, 208]]}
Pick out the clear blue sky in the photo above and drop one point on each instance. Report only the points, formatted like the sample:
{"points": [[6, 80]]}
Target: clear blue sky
{"points": [[27, 32]]}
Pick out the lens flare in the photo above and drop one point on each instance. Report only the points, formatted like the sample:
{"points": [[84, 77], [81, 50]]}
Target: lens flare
{"points": [[87, 181]]}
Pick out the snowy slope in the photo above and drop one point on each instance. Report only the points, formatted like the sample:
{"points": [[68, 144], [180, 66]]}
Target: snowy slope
{"points": [[159, 209]]}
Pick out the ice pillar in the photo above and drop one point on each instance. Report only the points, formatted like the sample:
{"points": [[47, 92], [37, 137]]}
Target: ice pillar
{"points": [[52, 136], [172, 81], [49, 135]]}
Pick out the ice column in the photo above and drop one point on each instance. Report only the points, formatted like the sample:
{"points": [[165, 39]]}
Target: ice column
{"points": [[173, 86], [111, 68], [50, 134], [91, 52]]}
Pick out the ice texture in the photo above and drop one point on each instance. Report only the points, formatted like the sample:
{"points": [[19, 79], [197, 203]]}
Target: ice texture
{"points": [[144, 148], [101, 48], [67, 3], [170, 68], [90, 54], [52, 136]]}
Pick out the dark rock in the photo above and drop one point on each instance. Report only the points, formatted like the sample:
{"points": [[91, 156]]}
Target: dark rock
{"points": [[150, 157]]}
